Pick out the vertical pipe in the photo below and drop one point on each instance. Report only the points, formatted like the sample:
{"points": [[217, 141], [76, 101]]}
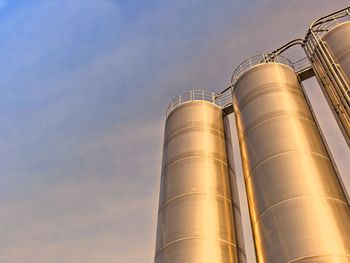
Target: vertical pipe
{"points": [[298, 209]]}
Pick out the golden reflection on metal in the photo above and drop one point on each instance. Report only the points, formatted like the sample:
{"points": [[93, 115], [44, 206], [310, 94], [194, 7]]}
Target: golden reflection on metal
{"points": [[329, 54], [298, 209], [195, 220], [338, 42]]}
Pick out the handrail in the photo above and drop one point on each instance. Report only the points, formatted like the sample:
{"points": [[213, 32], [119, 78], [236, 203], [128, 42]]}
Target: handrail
{"points": [[333, 81], [222, 100], [322, 19], [256, 60], [290, 44], [192, 95], [323, 24], [317, 29]]}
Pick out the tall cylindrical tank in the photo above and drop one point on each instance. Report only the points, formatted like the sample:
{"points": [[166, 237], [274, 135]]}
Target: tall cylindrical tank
{"points": [[195, 218], [298, 208], [338, 42]]}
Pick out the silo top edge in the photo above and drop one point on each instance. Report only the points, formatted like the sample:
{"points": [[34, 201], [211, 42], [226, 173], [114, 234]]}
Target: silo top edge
{"points": [[194, 95], [323, 25], [257, 60], [335, 28]]}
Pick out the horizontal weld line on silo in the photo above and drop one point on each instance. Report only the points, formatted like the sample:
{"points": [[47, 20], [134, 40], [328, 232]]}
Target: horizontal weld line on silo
{"points": [[339, 57], [192, 193], [194, 156], [250, 96], [318, 256], [193, 237], [298, 197], [236, 209], [278, 114], [204, 128], [248, 130], [231, 171], [241, 251], [271, 86], [212, 125], [251, 173]]}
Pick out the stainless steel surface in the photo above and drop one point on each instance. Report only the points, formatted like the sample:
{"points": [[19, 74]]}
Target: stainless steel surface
{"points": [[298, 209], [192, 95], [327, 46], [195, 219], [338, 42], [258, 59]]}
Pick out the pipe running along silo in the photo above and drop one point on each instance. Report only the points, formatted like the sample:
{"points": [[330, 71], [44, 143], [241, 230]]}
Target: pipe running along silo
{"points": [[298, 209], [327, 46], [195, 217]]}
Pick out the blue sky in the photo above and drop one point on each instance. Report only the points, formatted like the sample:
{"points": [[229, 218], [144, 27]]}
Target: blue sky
{"points": [[83, 90]]}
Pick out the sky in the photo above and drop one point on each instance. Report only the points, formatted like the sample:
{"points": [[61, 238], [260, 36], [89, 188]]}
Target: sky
{"points": [[84, 86]]}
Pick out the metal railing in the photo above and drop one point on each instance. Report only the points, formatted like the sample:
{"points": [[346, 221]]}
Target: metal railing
{"points": [[322, 25], [224, 99], [314, 36], [329, 74], [256, 60], [301, 64], [193, 95]]}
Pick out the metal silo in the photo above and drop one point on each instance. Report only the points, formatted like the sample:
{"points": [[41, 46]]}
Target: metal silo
{"points": [[195, 217], [298, 209], [327, 46]]}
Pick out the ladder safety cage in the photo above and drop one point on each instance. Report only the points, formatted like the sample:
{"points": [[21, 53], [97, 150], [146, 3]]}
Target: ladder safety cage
{"points": [[334, 83]]}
